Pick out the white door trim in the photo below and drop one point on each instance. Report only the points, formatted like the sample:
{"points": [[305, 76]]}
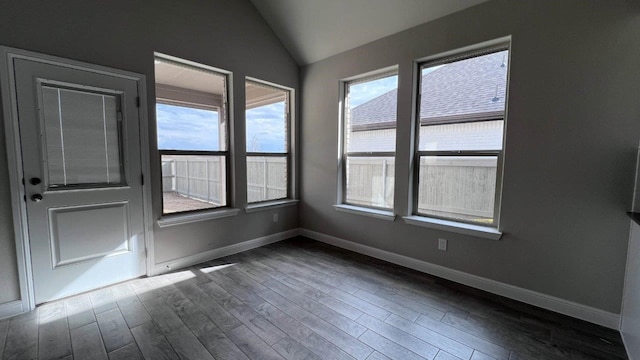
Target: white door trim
{"points": [[14, 158]]}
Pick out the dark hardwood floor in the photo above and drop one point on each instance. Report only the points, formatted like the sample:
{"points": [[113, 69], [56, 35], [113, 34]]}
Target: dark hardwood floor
{"points": [[299, 299]]}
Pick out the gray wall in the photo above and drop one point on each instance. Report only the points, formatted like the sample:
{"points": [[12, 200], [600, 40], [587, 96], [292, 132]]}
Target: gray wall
{"points": [[630, 322], [572, 131], [228, 34]]}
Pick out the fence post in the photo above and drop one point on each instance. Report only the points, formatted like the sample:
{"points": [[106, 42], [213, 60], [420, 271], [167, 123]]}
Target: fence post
{"points": [[266, 177], [206, 169], [384, 182], [188, 182]]}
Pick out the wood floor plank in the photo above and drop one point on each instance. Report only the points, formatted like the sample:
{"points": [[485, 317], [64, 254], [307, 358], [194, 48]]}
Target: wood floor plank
{"points": [[131, 307], [477, 355], [292, 350], [129, 352], [400, 337], [102, 300], [284, 304], [187, 346], [419, 307], [163, 316], [388, 347], [87, 343], [343, 323], [152, 343], [500, 333], [294, 269], [443, 355], [324, 299], [377, 356], [344, 341], [221, 317], [238, 285], [448, 344], [473, 341], [388, 305], [214, 340], [79, 311], [258, 324], [54, 340], [252, 345], [114, 330], [324, 269], [284, 322], [324, 348], [22, 340], [345, 297]]}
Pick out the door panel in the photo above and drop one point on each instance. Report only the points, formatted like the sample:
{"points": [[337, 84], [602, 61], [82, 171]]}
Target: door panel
{"points": [[70, 225], [79, 135]]}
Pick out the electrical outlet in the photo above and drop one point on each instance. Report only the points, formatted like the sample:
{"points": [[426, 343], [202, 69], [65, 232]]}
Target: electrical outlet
{"points": [[275, 217], [442, 244]]}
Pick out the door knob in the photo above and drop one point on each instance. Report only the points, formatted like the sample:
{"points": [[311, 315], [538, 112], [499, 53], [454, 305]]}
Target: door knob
{"points": [[35, 181], [36, 197]]}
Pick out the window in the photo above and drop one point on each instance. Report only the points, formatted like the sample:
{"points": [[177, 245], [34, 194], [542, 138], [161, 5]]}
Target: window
{"points": [[459, 157], [192, 124], [268, 129], [368, 159]]}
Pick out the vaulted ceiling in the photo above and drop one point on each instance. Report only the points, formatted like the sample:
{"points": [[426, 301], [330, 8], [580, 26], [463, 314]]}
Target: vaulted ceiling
{"points": [[316, 29]]}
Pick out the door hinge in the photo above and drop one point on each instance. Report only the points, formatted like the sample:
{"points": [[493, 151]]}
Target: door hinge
{"points": [[142, 179], [138, 101], [25, 198]]}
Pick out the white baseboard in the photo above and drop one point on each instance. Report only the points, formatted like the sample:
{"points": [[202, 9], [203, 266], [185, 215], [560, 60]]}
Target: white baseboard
{"points": [[167, 266], [11, 308], [544, 301]]}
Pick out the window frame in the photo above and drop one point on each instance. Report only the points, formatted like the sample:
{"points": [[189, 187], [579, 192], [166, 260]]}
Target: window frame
{"points": [[289, 140], [447, 58], [224, 109], [344, 154]]}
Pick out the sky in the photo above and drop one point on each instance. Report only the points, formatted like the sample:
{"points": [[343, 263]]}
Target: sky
{"points": [[266, 128], [184, 128], [363, 92]]}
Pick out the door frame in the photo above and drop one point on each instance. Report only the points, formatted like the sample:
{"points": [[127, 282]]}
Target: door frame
{"points": [[14, 161]]}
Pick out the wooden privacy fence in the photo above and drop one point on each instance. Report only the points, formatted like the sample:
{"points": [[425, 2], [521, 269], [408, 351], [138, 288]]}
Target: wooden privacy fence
{"points": [[203, 177], [451, 185]]}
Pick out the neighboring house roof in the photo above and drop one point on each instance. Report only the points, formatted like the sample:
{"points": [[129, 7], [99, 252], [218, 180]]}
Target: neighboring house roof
{"points": [[473, 88]]}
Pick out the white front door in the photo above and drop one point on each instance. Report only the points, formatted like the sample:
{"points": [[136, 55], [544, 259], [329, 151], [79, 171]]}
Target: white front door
{"points": [[80, 141]]}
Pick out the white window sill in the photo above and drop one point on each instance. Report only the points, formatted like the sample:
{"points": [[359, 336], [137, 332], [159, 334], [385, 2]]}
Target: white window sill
{"points": [[270, 205], [178, 219], [375, 213], [453, 226]]}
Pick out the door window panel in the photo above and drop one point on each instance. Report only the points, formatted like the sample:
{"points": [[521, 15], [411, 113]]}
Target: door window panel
{"points": [[82, 138]]}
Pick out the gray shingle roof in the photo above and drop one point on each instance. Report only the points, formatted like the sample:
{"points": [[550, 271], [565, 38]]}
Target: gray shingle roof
{"points": [[470, 88]]}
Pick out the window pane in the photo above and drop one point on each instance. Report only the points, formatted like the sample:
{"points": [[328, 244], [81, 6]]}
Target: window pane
{"points": [[468, 136], [191, 107], [370, 181], [82, 137], [193, 182], [184, 128], [266, 178], [370, 113], [473, 89], [458, 187], [266, 118]]}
